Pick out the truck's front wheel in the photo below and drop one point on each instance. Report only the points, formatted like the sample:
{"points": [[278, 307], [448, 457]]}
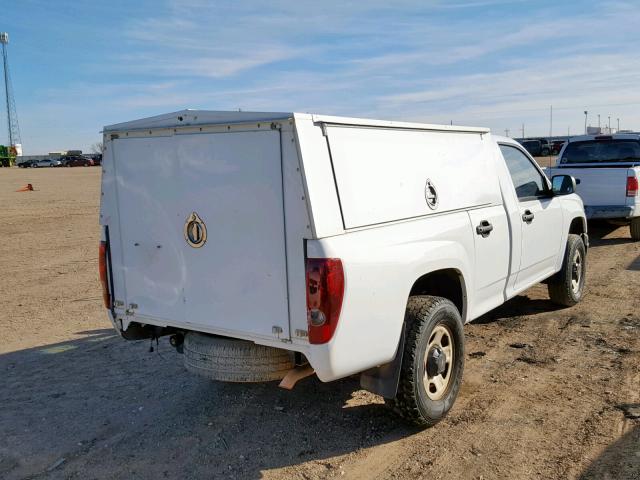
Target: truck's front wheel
{"points": [[567, 286], [634, 227], [433, 360]]}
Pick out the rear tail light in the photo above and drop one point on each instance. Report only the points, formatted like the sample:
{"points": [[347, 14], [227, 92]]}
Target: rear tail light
{"points": [[104, 279], [632, 186], [325, 290]]}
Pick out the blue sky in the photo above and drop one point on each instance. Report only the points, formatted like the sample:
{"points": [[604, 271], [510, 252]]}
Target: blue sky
{"points": [[79, 65]]}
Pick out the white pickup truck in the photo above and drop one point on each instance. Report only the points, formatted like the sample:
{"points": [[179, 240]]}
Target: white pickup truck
{"points": [[607, 168], [273, 245]]}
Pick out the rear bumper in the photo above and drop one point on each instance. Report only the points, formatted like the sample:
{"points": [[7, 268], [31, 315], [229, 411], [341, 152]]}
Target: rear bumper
{"points": [[608, 211], [336, 359]]}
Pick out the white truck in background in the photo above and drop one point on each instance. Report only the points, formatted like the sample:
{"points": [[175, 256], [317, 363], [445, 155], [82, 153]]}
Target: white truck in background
{"points": [[607, 168], [273, 245]]}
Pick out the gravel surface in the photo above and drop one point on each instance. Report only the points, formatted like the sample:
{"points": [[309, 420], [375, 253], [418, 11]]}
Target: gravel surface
{"points": [[548, 393]]}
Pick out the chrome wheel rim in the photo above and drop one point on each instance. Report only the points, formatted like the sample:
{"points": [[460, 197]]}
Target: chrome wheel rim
{"points": [[438, 362], [576, 272]]}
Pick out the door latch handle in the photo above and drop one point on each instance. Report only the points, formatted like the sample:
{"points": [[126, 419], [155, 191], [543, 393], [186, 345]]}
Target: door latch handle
{"points": [[484, 229], [527, 216]]}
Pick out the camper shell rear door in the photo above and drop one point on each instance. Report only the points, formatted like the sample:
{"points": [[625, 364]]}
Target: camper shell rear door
{"points": [[224, 189]]}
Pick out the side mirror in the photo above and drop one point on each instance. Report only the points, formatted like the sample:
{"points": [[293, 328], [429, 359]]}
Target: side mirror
{"points": [[563, 184]]}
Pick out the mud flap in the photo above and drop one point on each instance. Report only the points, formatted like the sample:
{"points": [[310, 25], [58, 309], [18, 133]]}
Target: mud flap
{"points": [[383, 380], [585, 240]]}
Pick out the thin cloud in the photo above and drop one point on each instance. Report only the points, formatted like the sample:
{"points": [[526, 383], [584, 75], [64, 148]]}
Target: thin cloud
{"points": [[495, 63]]}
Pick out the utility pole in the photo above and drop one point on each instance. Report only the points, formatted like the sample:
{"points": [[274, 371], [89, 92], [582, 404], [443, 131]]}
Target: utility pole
{"points": [[618, 131], [599, 122], [585, 121], [568, 132], [506, 132], [551, 122], [523, 130], [12, 116], [609, 124]]}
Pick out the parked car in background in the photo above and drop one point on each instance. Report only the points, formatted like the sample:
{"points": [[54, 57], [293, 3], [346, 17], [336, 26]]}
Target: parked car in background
{"points": [[556, 146], [537, 147], [76, 161], [46, 163], [545, 146], [338, 246], [97, 160], [534, 147], [608, 169], [26, 164]]}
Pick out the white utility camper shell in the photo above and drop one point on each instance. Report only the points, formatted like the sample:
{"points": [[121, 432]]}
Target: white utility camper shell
{"points": [[262, 183]]}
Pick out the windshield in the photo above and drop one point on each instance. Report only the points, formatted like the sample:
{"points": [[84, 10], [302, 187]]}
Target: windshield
{"points": [[591, 151]]}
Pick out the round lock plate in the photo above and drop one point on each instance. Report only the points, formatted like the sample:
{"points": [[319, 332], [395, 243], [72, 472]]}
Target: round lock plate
{"points": [[195, 231], [431, 195]]}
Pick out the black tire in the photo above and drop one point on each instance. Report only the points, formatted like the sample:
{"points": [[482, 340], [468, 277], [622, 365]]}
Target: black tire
{"points": [[564, 288], [231, 360], [424, 317], [634, 228]]}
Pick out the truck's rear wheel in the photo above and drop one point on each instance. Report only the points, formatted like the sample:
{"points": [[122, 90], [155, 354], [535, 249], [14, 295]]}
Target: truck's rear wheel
{"points": [[634, 227], [567, 286], [433, 360], [231, 360]]}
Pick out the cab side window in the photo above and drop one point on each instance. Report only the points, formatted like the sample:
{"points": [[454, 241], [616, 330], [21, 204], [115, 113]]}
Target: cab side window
{"points": [[527, 180]]}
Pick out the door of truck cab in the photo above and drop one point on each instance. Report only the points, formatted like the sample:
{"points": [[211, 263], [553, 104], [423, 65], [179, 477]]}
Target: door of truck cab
{"points": [[540, 218], [202, 231]]}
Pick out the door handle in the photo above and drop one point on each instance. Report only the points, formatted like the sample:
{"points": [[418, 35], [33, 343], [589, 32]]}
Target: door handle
{"points": [[484, 229], [527, 216]]}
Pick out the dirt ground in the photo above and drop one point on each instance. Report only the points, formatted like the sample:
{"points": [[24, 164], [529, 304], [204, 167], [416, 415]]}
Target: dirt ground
{"points": [[548, 161], [548, 393]]}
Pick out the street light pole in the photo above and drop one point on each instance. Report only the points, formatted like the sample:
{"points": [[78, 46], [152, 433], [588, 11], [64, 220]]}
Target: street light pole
{"points": [[599, 121], [609, 124], [618, 131]]}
